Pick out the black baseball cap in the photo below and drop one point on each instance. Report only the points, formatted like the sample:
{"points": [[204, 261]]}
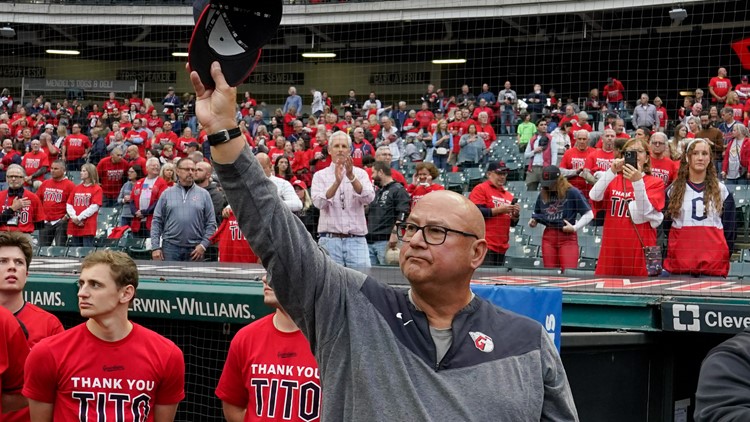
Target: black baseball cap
{"points": [[550, 174], [497, 166], [232, 32]]}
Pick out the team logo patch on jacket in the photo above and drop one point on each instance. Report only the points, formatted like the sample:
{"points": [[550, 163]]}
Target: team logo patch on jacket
{"points": [[482, 341]]}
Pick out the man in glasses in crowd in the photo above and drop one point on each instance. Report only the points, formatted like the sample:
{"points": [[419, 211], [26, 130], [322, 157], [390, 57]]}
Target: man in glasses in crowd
{"points": [[433, 352]]}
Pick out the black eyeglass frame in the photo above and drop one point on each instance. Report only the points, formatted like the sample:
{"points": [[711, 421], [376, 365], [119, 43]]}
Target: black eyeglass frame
{"points": [[402, 227]]}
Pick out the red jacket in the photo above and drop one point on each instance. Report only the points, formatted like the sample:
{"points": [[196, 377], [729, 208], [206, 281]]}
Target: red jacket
{"points": [[744, 154], [135, 198]]}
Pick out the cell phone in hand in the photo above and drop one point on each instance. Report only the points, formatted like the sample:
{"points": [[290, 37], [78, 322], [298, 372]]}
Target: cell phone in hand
{"points": [[631, 157]]}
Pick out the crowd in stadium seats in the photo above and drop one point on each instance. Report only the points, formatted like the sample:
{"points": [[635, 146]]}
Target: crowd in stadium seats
{"points": [[123, 154]]}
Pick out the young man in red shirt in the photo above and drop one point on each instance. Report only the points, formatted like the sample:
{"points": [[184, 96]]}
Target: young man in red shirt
{"points": [[75, 148], [54, 195], [111, 172], [495, 204], [13, 352], [249, 391], [138, 376], [15, 259]]}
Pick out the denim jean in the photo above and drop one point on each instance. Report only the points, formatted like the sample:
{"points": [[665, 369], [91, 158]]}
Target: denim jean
{"points": [[440, 161], [87, 241], [172, 252], [350, 252], [507, 122], [377, 252]]}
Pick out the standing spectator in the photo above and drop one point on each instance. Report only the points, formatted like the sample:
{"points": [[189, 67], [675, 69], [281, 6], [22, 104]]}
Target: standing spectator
{"points": [[14, 348], [634, 200], [22, 210], [389, 136], [145, 196], [112, 171], [614, 92], [57, 369], [272, 341], [540, 152], [111, 104], [472, 149], [168, 173], [737, 157], [743, 89], [360, 147], [496, 205], [204, 178], [526, 130], [483, 107], [423, 182], [233, 245], [317, 107], [75, 148], [679, 141], [284, 187], [383, 154], [36, 164], [557, 207], [573, 162], [485, 130], [700, 99], [83, 208], [372, 100], [15, 259], [719, 86], [391, 205], [710, 224], [593, 107], [536, 101], [171, 102], [309, 214], [716, 138], [662, 165], [183, 220], [351, 104], [54, 194], [341, 192], [661, 115], [487, 95], [293, 100], [465, 98], [644, 114], [507, 99], [441, 141], [134, 174]]}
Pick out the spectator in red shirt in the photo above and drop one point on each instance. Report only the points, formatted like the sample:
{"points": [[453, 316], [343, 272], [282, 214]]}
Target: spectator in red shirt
{"points": [[112, 171], [422, 182], [36, 164], [75, 149], [83, 208], [614, 92], [21, 210], [719, 86], [54, 195]]}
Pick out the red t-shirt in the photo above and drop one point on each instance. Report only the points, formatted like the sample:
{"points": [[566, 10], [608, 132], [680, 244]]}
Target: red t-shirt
{"points": [[418, 191], [233, 246], [721, 86], [661, 114], [665, 168], [13, 352], [26, 216], [144, 369], [613, 93], [54, 197], [395, 174], [111, 105], [76, 146], [738, 112], [424, 117], [274, 367], [360, 150], [599, 160], [32, 162], [487, 133], [575, 159], [288, 120], [621, 252], [81, 198], [488, 110], [274, 153], [111, 176], [166, 137], [137, 138], [497, 227]]}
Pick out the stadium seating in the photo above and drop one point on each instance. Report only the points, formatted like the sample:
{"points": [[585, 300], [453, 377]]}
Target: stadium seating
{"points": [[52, 251]]}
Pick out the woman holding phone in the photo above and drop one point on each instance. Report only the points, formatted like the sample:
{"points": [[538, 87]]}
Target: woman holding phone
{"points": [[633, 200]]}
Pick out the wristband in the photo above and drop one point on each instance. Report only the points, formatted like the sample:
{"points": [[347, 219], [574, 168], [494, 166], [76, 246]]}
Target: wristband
{"points": [[223, 136], [353, 179]]}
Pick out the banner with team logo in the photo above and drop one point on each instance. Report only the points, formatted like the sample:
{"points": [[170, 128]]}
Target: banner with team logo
{"points": [[542, 304]]}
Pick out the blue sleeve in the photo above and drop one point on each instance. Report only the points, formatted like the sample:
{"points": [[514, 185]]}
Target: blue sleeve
{"points": [[538, 204], [729, 221], [581, 204]]}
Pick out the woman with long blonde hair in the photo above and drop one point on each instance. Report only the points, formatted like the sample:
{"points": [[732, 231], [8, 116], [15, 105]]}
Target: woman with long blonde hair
{"points": [[702, 214]]}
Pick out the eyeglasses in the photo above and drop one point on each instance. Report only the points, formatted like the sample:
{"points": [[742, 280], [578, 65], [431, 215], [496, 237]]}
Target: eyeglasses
{"points": [[14, 177], [184, 169], [432, 234]]}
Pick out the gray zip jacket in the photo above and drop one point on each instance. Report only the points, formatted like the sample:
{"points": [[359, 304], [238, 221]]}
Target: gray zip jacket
{"points": [[376, 356]]}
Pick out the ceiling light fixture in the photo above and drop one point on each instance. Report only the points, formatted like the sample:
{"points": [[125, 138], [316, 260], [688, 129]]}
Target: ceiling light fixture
{"points": [[179, 54], [449, 61], [318, 55], [64, 52]]}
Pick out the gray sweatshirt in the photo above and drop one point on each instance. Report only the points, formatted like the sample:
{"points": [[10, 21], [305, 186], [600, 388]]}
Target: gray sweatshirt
{"points": [[376, 355], [183, 217]]}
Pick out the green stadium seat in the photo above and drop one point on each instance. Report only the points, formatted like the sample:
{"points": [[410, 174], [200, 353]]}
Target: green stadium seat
{"points": [[53, 251], [525, 263], [80, 251], [454, 182]]}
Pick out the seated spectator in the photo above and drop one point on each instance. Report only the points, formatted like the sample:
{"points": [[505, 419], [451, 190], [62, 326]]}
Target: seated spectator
{"points": [[633, 200]]}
